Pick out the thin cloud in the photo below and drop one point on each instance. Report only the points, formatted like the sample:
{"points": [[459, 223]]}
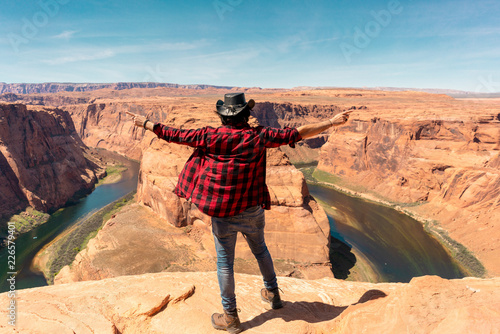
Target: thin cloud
{"points": [[67, 34], [166, 46], [182, 46], [80, 57]]}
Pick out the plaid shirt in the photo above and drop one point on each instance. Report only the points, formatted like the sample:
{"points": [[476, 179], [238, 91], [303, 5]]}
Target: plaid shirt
{"points": [[226, 174]]}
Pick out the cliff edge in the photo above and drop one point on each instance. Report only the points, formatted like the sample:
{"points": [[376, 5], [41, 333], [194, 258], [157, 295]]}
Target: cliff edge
{"points": [[184, 302]]}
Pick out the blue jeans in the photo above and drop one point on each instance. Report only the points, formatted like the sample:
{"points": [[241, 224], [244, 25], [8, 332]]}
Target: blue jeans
{"points": [[251, 224]]}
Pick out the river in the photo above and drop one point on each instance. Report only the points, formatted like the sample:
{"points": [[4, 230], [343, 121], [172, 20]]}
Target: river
{"points": [[395, 245], [28, 244]]}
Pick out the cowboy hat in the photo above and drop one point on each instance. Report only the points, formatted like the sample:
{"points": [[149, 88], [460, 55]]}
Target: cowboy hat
{"points": [[233, 104]]}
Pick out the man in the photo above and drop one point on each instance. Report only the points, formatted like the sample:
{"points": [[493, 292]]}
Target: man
{"points": [[225, 178]]}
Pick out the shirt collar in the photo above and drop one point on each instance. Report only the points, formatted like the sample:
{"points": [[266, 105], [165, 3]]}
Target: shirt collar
{"points": [[243, 125]]}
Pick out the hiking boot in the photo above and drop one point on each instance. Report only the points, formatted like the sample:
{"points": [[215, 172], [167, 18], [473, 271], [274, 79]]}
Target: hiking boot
{"points": [[272, 297], [227, 321]]}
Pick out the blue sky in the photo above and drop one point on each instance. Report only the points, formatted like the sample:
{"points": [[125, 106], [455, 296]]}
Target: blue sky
{"points": [[344, 43]]}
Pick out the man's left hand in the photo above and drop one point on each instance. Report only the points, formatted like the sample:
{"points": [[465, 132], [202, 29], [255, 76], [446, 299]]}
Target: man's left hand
{"points": [[138, 119]]}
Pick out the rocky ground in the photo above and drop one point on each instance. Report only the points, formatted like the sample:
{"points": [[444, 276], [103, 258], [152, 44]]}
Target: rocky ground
{"points": [[184, 302]]}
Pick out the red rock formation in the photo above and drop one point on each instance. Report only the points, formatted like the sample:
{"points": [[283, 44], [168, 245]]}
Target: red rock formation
{"points": [[406, 146], [42, 160], [184, 302]]}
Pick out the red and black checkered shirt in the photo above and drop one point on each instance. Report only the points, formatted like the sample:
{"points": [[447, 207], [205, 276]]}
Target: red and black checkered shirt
{"points": [[226, 174]]}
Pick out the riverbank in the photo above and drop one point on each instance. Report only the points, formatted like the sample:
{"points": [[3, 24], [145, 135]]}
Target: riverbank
{"points": [[112, 165], [465, 258], [24, 222], [30, 243], [63, 249]]}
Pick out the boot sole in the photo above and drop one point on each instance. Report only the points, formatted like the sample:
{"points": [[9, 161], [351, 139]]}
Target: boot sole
{"points": [[229, 330]]}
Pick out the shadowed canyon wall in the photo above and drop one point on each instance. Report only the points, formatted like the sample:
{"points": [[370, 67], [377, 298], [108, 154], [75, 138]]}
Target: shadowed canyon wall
{"points": [[42, 160]]}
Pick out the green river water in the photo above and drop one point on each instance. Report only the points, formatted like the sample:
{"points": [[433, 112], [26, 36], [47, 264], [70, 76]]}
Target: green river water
{"points": [[28, 244]]}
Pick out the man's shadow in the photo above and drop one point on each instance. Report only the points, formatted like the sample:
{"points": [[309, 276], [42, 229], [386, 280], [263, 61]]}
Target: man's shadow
{"points": [[310, 312]]}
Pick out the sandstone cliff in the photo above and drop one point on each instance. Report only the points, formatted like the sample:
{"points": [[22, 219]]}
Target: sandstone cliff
{"points": [[42, 160], [430, 150], [106, 125], [281, 115], [390, 121], [184, 302]]}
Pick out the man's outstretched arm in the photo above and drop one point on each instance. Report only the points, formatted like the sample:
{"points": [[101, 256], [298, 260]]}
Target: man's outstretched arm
{"points": [[310, 130], [190, 137]]}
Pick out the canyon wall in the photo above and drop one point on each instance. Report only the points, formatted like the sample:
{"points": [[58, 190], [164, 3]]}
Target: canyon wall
{"points": [[445, 163], [56, 87], [106, 125], [293, 115], [42, 160]]}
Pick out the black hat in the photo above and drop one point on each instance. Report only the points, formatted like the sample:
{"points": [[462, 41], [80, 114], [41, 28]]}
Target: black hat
{"points": [[233, 104]]}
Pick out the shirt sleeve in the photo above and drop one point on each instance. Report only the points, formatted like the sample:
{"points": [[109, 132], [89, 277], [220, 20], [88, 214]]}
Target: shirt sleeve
{"points": [[275, 137], [191, 137]]}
